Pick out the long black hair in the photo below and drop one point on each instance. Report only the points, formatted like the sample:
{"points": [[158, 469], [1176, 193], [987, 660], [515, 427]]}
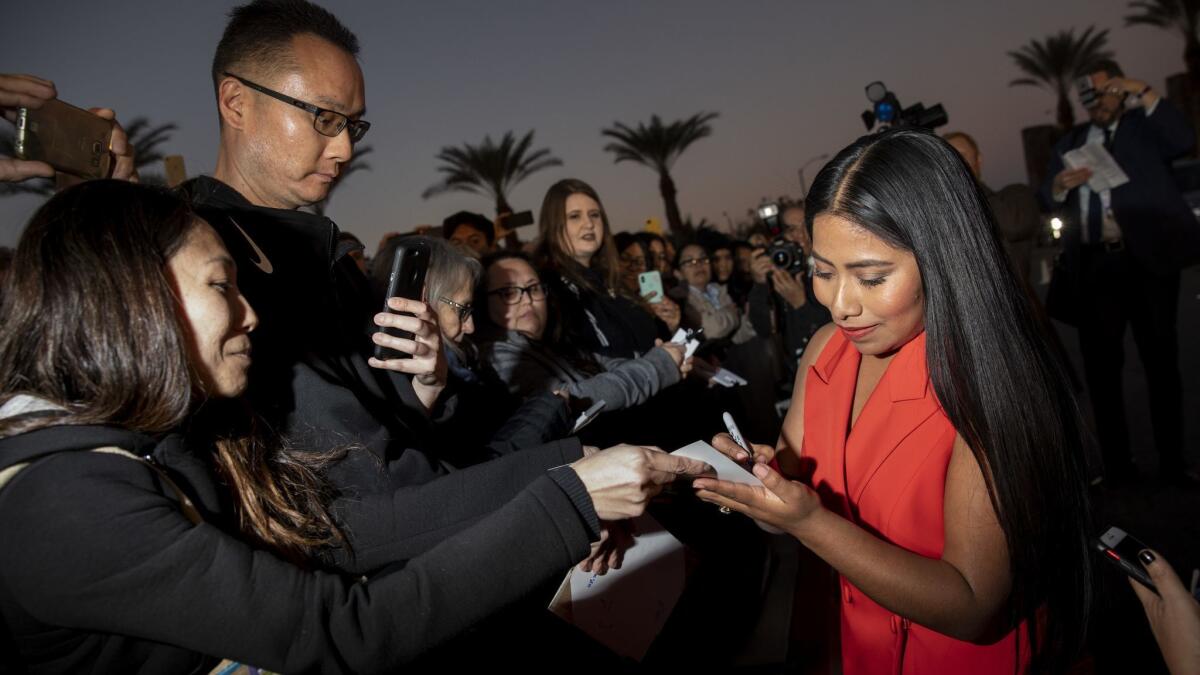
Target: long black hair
{"points": [[991, 365]]}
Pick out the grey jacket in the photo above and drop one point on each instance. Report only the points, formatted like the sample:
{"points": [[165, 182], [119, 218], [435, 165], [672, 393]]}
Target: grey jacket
{"points": [[529, 367]]}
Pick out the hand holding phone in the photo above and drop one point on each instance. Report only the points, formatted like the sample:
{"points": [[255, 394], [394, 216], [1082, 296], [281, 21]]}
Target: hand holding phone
{"points": [[1120, 549], [72, 140], [651, 283], [407, 280]]}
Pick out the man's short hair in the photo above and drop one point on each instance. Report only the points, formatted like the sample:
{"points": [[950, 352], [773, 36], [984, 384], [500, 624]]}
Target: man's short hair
{"points": [[1108, 67], [950, 136], [475, 220], [258, 38]]}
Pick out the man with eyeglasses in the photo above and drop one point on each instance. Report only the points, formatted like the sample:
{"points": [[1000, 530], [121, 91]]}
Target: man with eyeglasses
{"points": [[290, 98]]}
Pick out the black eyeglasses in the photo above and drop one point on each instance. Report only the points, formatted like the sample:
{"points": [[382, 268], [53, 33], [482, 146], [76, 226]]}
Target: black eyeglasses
{"points": [[512, 294], [327, 122], [463, 311]]}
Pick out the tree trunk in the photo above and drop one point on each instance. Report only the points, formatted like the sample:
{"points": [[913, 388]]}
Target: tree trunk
{"points": [[666, 186], [512, 241], [1066, 114]]}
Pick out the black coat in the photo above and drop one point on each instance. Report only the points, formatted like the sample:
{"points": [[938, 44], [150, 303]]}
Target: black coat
{"points": [[100, 570], [311, 381]]}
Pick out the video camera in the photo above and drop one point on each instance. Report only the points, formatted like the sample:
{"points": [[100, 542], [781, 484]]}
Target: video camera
{"points": [[785, 254], [887, 111]]}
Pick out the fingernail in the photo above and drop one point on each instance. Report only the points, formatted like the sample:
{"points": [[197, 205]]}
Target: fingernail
{"points": [[1146, 557], [760, 470]]}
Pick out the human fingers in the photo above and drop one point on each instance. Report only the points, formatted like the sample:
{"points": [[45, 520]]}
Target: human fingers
{"points": [[25, 91], [666, 468], [725, 444], [15, 170]]}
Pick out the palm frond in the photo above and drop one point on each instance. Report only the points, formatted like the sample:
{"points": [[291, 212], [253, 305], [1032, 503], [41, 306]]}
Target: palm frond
{"points": [[489, 168]]}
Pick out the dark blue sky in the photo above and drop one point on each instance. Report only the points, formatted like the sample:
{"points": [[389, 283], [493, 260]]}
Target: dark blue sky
{"points": [[786, 77]]}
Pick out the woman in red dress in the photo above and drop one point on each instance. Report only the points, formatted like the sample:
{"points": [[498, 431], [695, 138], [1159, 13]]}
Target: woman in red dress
{"points": [[932, 451]]}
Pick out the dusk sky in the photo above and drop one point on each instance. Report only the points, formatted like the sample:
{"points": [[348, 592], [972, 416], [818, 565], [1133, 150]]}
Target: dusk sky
{"points": [[786, 77]]}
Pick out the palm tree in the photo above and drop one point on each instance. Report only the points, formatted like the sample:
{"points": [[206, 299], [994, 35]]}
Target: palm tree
{"points": [[1057, 61], [489, 168], [1181, 15], [658, 146], [356, 163]]}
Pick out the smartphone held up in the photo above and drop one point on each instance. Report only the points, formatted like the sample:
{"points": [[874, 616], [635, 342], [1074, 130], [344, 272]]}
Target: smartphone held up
{"points": [[407, 280], [69, 139]]}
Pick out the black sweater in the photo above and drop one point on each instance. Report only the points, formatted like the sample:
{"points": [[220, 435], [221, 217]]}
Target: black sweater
{"points": [[100, 571]]}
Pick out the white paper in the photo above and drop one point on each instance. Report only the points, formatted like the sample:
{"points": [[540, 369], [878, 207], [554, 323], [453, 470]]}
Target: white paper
{"points": [[726, 468], [625, 609], [1106, 173], [727, 378]]}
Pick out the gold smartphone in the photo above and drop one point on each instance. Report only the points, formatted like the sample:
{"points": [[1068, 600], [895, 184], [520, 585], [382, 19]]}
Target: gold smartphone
{"points": [[70, 139]]}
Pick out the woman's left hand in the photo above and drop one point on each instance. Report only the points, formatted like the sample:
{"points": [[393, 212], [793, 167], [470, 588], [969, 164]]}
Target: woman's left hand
{"points": [[781, 503]]}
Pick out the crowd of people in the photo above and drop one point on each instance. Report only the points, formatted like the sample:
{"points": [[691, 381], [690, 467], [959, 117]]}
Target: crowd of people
{"points": [[205, 463]]}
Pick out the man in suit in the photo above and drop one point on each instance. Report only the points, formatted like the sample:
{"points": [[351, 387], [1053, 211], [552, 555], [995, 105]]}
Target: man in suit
{"points": [[1122, 252]]}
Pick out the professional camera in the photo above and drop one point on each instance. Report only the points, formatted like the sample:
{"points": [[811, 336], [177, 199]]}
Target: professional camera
{"points": [[887, 111], [785, 254]]}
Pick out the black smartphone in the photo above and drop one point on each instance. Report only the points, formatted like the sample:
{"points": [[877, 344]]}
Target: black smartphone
{"points": [[1121, 549], [407, 280], [514, 220]]}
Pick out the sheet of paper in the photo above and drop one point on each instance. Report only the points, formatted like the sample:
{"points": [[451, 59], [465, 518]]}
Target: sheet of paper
{"points": [[625, 609], [727, 378], [1106, 173], [726, 468]]}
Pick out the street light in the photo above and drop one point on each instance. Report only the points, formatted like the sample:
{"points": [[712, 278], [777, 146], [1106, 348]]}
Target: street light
{"points": [[803, 183]]}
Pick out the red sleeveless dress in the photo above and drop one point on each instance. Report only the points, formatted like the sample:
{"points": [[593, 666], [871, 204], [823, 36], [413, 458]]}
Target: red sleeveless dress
{"points": [[888, 474]]}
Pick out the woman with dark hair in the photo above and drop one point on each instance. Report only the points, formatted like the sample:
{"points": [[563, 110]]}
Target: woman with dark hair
{"points": [[937, 434], [127, 548], [523, 345], [578, 260]]}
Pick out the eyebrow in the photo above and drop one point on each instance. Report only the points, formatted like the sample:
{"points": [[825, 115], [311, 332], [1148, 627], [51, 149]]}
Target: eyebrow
{"points": [[222, 259], [857, 264]]}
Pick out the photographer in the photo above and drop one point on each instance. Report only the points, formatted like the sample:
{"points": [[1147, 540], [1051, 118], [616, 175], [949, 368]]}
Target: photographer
{"points": [[1122, 252], [791, 310]]}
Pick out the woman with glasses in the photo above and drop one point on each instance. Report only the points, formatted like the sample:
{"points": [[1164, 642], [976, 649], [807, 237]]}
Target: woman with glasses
{"points": [[706, 304], [579, 262], [526, 348], [476, 418], [635, 259]]}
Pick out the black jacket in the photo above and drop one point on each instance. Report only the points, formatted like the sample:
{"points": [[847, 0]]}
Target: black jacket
{"points": [[795, 326], [100, 570], [600, 322], [310, 379], [1156, 223]]}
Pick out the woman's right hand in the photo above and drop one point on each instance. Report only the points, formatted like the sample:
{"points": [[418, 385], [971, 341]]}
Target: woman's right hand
{"points": [[724, 443], [622, 479], [1174, 615]]}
